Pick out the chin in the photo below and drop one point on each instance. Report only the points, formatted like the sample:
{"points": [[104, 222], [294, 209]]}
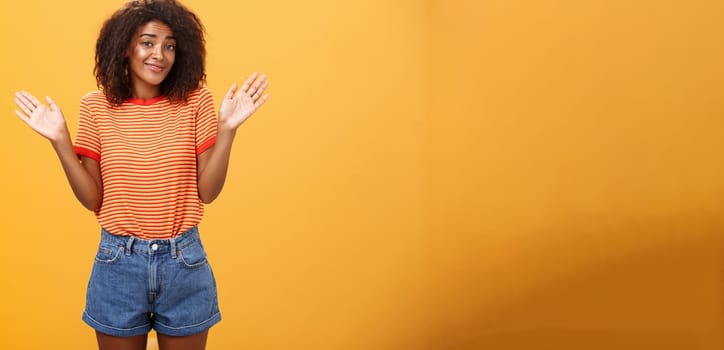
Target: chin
{"points": [[156, 81]]}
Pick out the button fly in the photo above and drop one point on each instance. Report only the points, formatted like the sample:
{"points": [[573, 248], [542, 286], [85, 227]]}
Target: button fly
{"points": [[154, 246]]}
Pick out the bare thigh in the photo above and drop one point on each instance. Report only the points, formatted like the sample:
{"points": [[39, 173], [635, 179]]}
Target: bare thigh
{"points": [[190, 342], [109, 342]]}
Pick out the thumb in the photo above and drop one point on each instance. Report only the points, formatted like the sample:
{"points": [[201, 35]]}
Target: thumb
{"points": [[53, 106]]}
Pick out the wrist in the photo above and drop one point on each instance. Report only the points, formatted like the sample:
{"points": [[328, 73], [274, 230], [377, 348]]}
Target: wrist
{"points": [[224, 130], [62, 140]]}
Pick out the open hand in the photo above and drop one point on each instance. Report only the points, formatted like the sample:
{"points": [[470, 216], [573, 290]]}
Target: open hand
{"points": [[240, 103], [47, 121]]}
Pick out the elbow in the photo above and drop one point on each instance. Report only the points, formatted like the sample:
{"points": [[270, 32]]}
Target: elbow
{"points": [[207, 193], [93, 206], [206, 199], [91, 199]]}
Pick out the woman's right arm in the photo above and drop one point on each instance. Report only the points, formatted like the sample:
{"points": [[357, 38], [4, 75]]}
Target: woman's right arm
{"points": [[84, 175]]}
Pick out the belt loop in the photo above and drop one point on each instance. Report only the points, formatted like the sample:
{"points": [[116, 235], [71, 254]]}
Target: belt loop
{"points": [[173, 247], [129, 245]]}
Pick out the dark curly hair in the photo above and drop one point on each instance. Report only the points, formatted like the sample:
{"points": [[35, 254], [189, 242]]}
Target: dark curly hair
{"points": [[188, 71]]}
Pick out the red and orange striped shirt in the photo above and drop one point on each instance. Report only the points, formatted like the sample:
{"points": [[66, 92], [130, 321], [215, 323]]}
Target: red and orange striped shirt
{"points": [[147, 153]]}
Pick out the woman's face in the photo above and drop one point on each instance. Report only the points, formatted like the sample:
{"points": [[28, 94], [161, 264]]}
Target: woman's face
{"points": [[151, 54]]}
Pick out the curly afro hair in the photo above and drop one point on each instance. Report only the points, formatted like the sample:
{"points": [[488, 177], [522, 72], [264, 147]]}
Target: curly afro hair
{"points": [[111, 64]]}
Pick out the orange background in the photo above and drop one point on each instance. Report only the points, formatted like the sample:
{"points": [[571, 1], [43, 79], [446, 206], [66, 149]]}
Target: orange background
{"points": [[427, 175]]}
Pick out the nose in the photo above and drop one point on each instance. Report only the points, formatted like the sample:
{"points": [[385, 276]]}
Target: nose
{"points": [[157, 52]]}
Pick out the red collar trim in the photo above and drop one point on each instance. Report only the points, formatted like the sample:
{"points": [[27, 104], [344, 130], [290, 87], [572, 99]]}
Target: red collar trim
{"points": [[142, 102]]}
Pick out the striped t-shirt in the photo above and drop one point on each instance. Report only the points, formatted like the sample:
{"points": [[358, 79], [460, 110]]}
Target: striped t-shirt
{"points": [[147, 153]]}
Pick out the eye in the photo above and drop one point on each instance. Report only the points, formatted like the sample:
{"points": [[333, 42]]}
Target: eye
{"points": [[147, 44], [171, 47]]}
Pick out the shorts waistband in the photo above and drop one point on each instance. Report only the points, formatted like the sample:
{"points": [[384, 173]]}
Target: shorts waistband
{"points": [[152, 246]]}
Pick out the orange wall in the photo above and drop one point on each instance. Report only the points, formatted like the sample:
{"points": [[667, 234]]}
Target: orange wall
{"points": [[440, 175], [574, 175]]}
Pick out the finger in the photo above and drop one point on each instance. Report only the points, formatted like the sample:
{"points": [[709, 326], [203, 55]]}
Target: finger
{"points": [[22, 116], [24, 105], [262, 79], [261, 89], [23, 101], [255, 86], [230, 93], [32, 99], [261, 101], [248, 82]]}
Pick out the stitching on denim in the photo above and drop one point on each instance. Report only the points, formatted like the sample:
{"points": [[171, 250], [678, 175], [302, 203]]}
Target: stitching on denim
{"points": [[114, 256], [189, 239], [114, 328], [212, 318]]}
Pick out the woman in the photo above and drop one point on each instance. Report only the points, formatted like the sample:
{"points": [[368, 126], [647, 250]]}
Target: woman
{"points": [[149, 152]]}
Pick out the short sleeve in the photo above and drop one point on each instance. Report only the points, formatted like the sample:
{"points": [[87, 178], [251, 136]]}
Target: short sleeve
{"points": [[206, 121], [87, 141]]}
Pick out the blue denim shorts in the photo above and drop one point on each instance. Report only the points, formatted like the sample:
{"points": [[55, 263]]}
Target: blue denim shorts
{"points": [[137, 285]]}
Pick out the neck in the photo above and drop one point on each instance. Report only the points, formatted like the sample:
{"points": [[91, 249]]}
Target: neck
{"points": [[144, 91]]}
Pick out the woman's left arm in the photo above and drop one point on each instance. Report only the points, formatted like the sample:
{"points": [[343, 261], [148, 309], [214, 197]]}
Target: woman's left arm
{"points": [[236, 107]]}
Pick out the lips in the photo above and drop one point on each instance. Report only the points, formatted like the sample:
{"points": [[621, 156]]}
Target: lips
{"points": [[154, 68]]}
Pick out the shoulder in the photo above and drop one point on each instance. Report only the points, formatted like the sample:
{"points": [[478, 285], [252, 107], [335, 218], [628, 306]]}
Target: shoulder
{"points": [[95, 99], [200, 94], [201, 99]]}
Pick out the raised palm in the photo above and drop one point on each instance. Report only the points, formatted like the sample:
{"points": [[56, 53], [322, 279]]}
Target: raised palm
{"points": [[240, 103], [47, 121]]}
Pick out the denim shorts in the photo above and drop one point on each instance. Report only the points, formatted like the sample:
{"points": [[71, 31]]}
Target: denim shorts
{"points": [[164, 284]]}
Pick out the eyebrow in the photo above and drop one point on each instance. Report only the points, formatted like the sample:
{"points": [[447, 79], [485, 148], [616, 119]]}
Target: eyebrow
{"points": [[156, 36]]}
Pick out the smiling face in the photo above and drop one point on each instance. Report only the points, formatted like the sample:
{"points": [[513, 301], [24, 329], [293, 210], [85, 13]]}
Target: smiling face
{"points": [[151, 54]]}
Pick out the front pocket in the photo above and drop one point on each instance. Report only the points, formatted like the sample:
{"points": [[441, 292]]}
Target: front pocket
{"points": [[193, 256], [108, 254]]}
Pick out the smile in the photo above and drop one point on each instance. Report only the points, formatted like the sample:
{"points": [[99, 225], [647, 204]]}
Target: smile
{"points": [[154, 68]]}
